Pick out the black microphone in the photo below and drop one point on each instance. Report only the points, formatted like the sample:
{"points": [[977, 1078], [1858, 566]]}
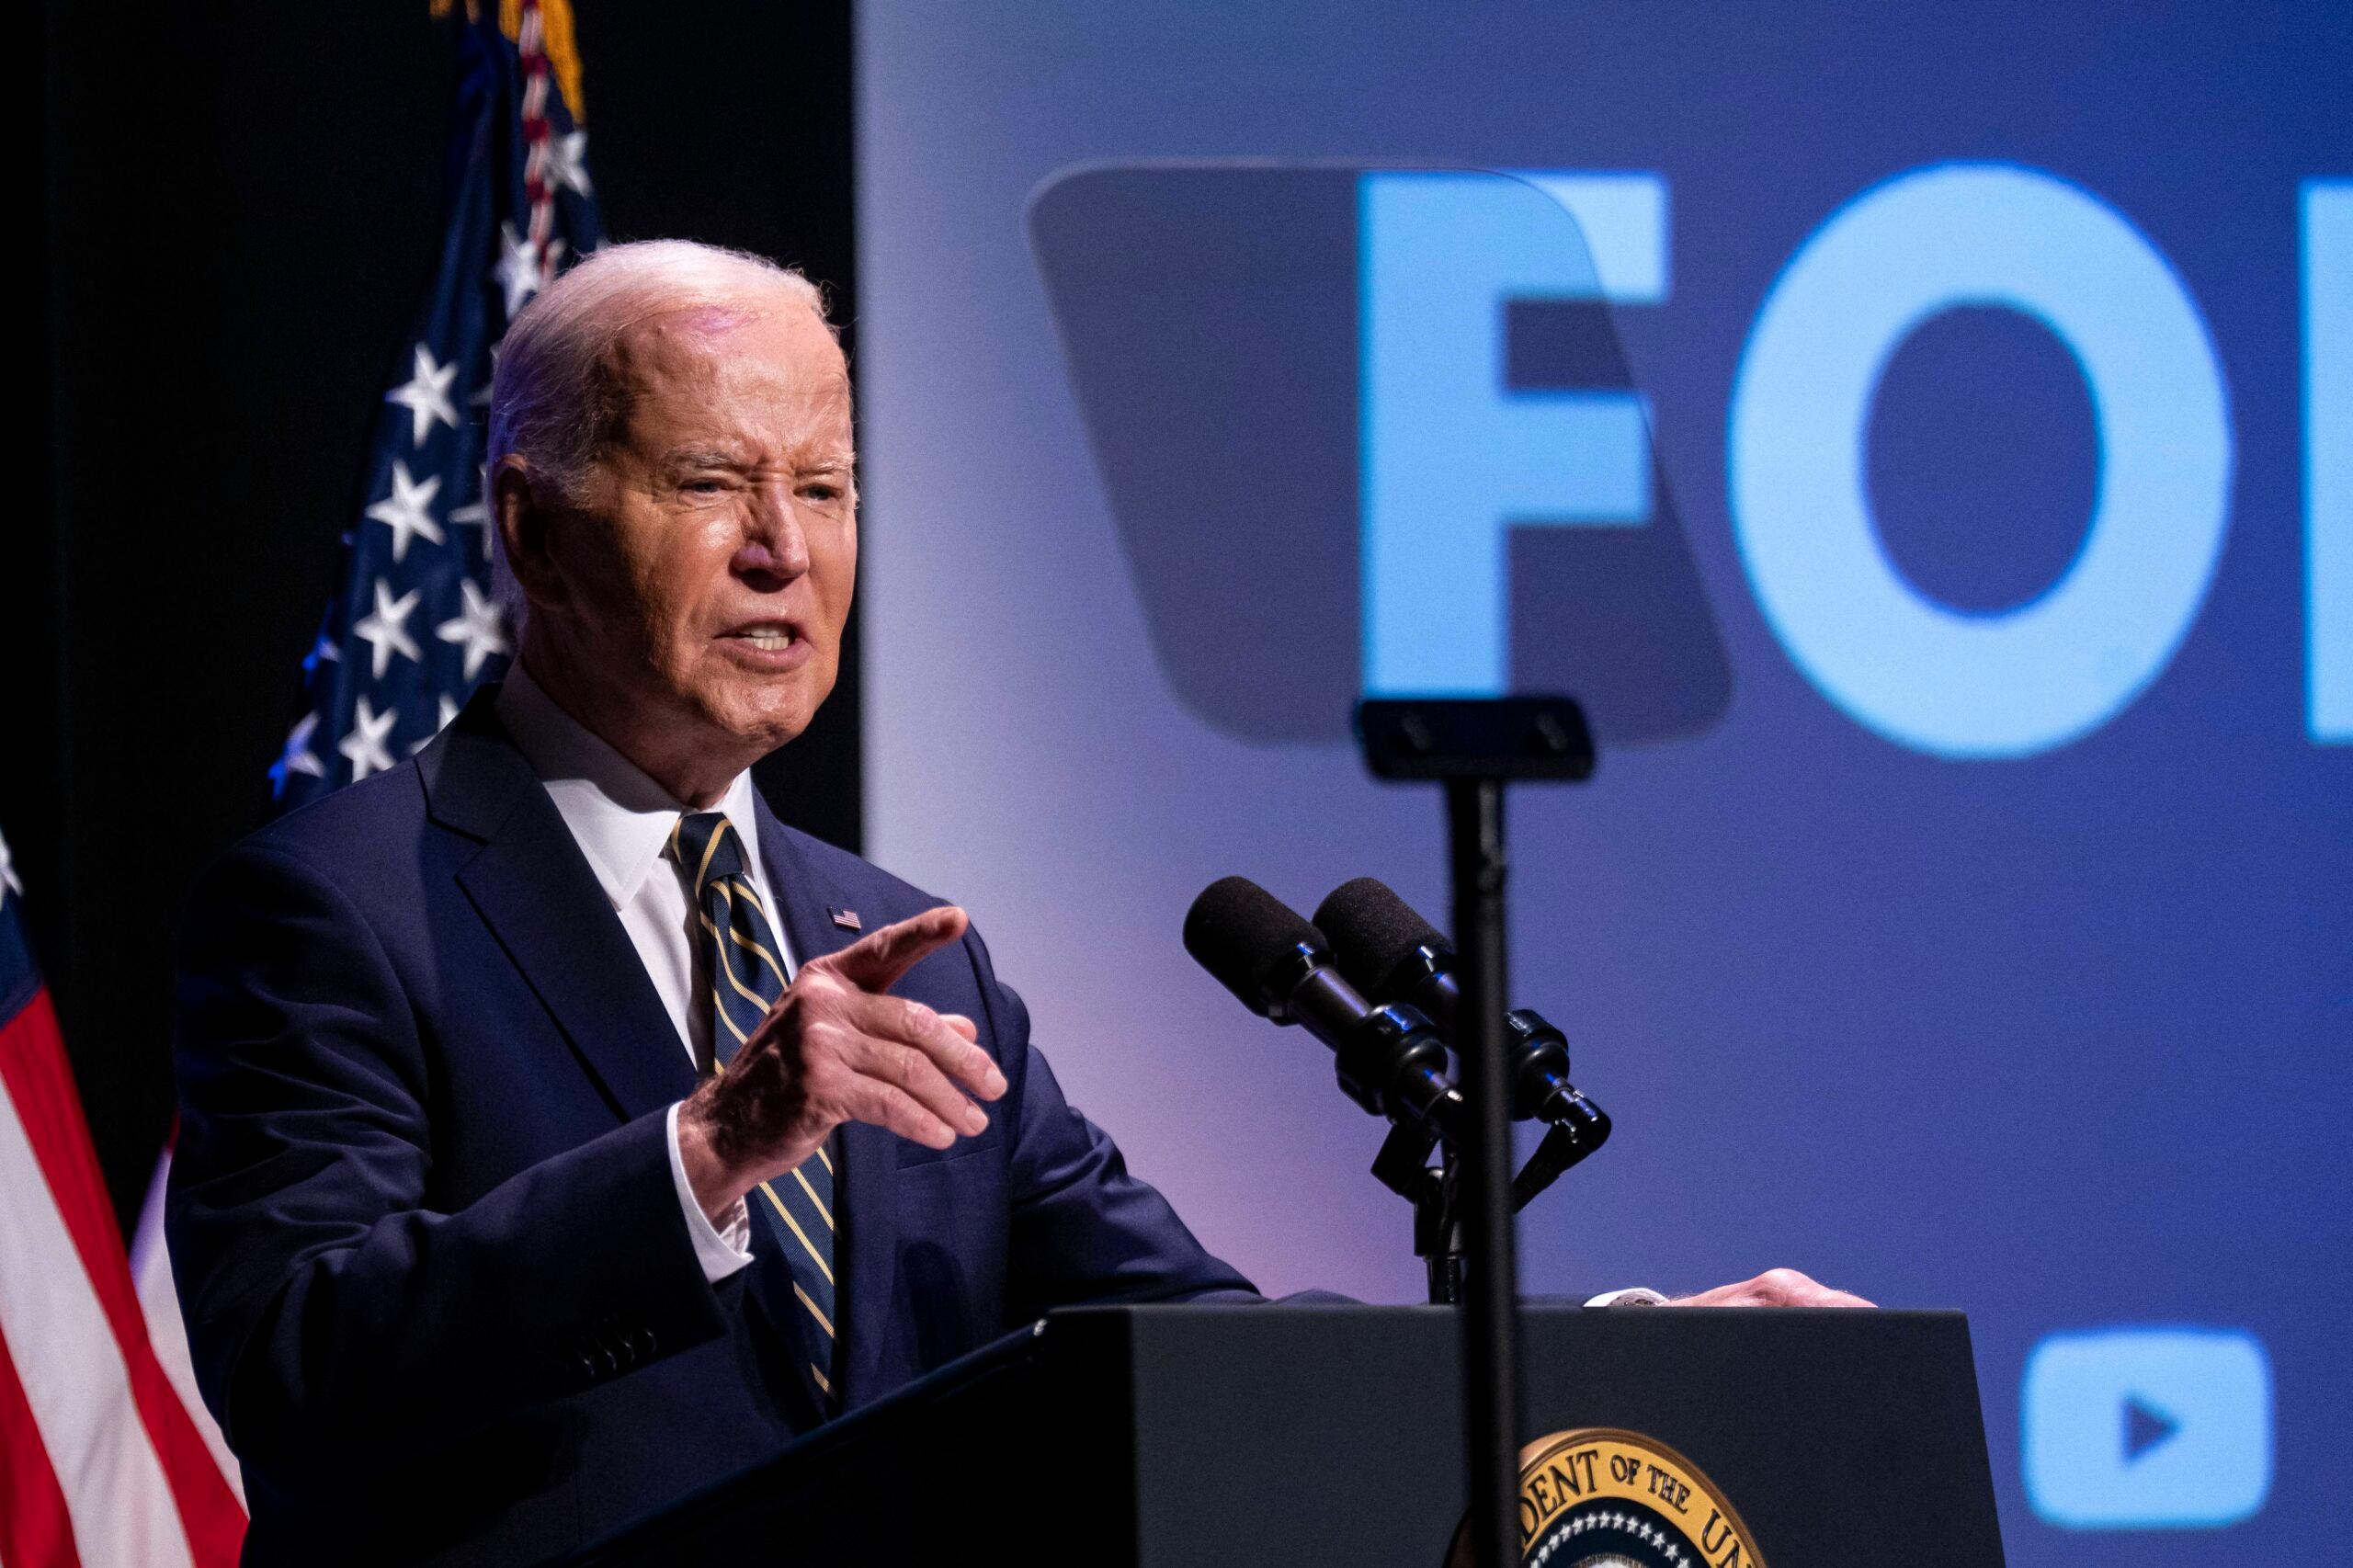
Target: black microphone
{"points": [[1390, 1060], [1394, 955]]}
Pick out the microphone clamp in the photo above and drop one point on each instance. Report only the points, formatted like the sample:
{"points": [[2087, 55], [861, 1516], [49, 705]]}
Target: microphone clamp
{"points": [[1393, 1064]]}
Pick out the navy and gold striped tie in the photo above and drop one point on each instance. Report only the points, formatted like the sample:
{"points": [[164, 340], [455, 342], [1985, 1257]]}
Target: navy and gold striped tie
{"points": [[746, 977]]}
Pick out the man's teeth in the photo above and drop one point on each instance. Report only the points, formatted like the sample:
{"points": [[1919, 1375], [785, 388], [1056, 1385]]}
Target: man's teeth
{"points": [[768, 642]]}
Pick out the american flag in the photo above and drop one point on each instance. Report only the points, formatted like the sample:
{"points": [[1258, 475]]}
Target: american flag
{"points": [[414, 628], [105, 1454]]}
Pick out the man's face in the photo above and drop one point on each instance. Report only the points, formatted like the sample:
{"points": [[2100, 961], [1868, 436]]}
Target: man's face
{"points": [[705, 570]]}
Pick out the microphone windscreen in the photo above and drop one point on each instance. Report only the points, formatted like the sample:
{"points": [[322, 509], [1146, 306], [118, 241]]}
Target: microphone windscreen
{"points": [[1372, 931], [1240, 933]]}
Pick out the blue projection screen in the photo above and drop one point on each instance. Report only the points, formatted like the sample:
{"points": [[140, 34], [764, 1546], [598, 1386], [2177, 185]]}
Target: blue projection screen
{"points": [[1956, 559]]}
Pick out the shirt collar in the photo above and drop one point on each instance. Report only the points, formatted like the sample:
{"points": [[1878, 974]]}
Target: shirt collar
{"points": [[620, 817]]}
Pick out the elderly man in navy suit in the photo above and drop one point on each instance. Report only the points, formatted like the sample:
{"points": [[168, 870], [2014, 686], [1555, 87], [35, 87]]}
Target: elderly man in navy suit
{"points": [[559, 1132]]}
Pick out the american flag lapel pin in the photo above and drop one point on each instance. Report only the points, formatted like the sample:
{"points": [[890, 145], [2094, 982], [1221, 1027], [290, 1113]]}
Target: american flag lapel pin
{"points": [[846, 918]]}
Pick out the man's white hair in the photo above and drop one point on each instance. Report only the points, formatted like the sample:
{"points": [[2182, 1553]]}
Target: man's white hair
{"points": [[551, 398]]}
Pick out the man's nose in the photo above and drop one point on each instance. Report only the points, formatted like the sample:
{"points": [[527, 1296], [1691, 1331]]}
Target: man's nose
{"points": [[774, 544]]}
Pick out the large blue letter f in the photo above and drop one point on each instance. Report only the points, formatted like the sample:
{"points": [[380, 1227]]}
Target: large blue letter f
{"points": [[1453, 459]]}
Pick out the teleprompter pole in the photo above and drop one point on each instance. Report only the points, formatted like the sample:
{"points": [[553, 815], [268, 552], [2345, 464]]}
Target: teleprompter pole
{"points": [[1473, 747], [1474, 810]]}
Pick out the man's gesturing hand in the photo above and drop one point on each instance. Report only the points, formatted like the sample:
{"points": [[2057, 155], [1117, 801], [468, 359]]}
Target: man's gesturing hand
{"points": [[1774, 1288], [838, 1047]]}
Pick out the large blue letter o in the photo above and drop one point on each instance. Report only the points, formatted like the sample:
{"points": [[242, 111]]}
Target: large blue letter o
{"points": [[1920, 673]]}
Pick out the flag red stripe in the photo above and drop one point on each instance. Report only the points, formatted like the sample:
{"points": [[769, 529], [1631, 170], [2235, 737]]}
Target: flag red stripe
{"points": [[33, 1067], [35, 1530]]}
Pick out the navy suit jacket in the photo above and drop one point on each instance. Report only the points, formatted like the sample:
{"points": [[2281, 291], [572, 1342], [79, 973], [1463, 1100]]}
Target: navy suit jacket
{"points": [[438, 1285]]}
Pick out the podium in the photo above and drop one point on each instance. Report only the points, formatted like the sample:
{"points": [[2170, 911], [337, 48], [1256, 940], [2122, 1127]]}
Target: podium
{"points": [[1187, 1437]]}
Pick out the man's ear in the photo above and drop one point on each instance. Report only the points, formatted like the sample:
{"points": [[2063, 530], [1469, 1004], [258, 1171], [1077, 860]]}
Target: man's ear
{"points": [[521, 514]]}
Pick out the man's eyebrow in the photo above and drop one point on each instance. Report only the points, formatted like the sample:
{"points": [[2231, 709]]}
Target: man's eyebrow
{"points": [[834, 459], [701, 457]]}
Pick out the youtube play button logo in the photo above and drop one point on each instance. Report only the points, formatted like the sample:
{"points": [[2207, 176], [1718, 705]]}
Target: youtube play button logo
{"points": [[2147, 1429]]}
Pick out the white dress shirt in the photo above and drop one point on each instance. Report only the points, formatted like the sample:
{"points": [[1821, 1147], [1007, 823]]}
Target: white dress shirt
{"points": [[621, 819]]}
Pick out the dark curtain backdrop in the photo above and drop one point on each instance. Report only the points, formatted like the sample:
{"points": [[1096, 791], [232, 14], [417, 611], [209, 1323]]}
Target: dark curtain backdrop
{"points": [[239, 206]]}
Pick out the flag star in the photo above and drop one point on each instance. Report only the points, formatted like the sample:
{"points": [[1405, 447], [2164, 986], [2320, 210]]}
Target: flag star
{"points": [[473, 515], [479, 626], [364, 745], [449, 711], [568, 161], [384, 630], [405, 510], [426, 395], [298, 756], [476, 512], [523, 266], [323, 652], [8, 871]]}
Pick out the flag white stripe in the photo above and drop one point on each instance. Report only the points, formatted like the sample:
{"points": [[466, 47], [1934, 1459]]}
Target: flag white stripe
{"points": [[150, 1275], [73, 1375]]}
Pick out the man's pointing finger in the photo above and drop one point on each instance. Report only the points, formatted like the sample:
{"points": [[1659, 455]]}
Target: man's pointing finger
{"points": [[875, 961]]}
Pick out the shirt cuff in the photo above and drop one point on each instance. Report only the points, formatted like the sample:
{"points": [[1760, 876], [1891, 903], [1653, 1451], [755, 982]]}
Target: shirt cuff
{"points": [[720, 1252], [1634, 1296]]}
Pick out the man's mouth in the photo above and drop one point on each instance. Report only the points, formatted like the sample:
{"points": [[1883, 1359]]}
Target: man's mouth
{"points": [[768, 637]]}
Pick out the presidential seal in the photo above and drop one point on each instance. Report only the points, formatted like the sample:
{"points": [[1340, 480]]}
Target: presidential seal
{"points": [[1597, 1497]]}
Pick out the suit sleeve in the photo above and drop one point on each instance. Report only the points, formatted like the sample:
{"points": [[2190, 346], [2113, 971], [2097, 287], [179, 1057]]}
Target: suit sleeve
{"points": [[332, 1314], [1083, 1229]]}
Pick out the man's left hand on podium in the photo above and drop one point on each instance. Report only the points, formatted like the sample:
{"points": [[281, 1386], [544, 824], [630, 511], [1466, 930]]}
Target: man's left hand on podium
{"points": [[1774, 1288]]}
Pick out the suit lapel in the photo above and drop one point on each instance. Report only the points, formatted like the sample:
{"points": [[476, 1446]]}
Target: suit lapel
{"points": [[533, 888], [866, 1205]]}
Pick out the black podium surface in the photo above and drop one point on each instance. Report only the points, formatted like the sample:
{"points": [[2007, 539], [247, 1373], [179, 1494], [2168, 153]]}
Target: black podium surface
{"points": [[1183, 1436]]}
